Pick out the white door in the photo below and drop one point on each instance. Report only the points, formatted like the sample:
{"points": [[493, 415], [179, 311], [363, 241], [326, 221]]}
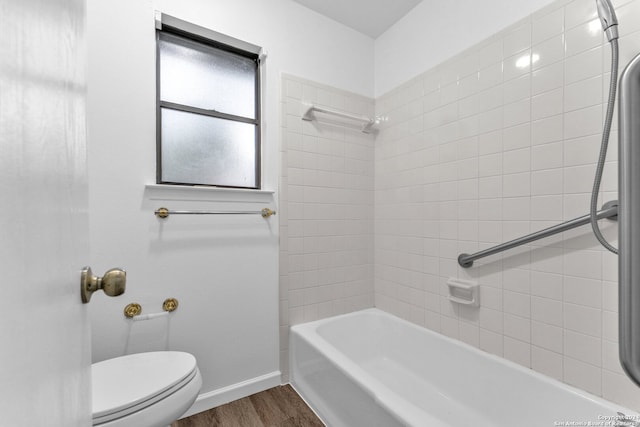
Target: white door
{"points": [[45, 342]]}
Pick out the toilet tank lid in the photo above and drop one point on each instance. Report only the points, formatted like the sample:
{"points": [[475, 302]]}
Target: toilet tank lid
{"points": [[126, 381]]}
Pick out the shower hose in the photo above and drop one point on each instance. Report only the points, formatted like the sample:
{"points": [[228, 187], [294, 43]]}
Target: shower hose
{"points": [[593, 211]]}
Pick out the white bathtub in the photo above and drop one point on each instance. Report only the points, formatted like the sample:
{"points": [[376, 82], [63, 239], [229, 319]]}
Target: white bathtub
{"points": [[370, 368]]}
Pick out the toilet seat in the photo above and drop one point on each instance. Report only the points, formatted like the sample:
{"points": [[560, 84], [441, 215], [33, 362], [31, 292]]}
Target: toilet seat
{"points": [[128, 384]]}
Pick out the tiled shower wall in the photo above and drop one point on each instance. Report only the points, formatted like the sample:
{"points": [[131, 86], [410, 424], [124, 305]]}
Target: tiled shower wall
{"points": [[326, 201], [498, 142]]}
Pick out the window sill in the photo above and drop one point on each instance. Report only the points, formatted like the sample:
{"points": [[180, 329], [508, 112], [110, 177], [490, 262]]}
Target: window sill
{"points": [[208, 194]]}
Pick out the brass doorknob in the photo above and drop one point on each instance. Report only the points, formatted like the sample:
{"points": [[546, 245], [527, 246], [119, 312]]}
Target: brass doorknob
{"points": [[113, 283]]}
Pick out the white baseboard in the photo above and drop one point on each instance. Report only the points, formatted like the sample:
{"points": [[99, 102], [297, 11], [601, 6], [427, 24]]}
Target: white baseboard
{"points": [[211, 399]]}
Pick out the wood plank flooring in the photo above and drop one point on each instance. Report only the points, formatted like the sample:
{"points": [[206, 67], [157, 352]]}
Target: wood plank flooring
{"points": [[277, 407]]}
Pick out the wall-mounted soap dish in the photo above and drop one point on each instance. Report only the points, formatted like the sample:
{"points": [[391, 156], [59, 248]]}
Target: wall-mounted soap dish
{"points": [[464, 292]]}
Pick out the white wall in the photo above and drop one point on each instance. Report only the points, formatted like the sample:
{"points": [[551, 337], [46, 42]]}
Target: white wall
{"points": [[223, 270], [437, 30]]}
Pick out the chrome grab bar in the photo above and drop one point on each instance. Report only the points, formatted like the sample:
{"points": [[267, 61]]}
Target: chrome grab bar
{"points": [[609, 211], [629, 231]]}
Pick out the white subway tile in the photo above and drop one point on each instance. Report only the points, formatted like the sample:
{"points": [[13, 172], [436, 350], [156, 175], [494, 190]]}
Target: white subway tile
{"points": [[293, 89], [583, 375], [547, 156], [516, 280], [548, 52], [489, 121], [469, 106], [547, 26], [468, 189], [583, 347], [547, 311], [583, 37], [578, 12], [547, 336], [491, 297], [517, 351], [586, 292], [517, 65], [490, 54], [468, 148], [583, 65], [491, 320], [611, 357], [583, 122], [516, 137], [468, 85], [546, 208], [547, 362], [610, 296], [547, 104], [491, 98], [490, 231], [547, 285], [628, 17], [516, 208], [490, 76], [470, 334], [490, 143], [583, 263], [517, 40], [516, 185], [547, 130], [585, 93], [516, 161], [449, 93], [490, 209], [517, 303], [516, 327], [490, 187], [582, 151], [619, 388], [583, 319], [491, 342], [578, 179], [610, 326], [547, 78], [546, 182]]}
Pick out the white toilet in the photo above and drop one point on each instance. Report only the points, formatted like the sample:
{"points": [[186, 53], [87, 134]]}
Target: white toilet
{"points": [[144, 390]]}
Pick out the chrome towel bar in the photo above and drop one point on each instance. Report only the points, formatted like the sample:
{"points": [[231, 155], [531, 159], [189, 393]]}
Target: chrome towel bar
{"points": [[609, 211], [164, 212]]}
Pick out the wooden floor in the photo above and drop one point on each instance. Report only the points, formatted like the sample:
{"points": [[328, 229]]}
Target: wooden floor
{"points": [[277, 407]]}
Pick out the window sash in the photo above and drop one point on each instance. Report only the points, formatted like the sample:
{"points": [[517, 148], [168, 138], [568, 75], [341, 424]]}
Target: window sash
{"points": [[182, 28], [205, 112]]}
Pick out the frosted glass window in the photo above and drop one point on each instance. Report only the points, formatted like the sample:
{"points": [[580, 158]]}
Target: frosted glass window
{"points": [[207, 111], [205, 150], [203, 76]]}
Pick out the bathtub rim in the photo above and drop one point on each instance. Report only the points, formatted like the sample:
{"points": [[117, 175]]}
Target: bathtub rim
{"points": [[388, 399]]}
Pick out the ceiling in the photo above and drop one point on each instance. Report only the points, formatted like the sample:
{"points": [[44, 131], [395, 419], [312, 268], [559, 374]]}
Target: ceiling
{"points": [[370, 17]]}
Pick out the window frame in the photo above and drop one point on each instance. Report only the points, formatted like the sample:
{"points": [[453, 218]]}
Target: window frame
{"points": [[177, 27]]}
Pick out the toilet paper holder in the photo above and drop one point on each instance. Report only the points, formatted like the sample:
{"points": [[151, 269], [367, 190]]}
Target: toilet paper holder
{"points": [[134, 309]]}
